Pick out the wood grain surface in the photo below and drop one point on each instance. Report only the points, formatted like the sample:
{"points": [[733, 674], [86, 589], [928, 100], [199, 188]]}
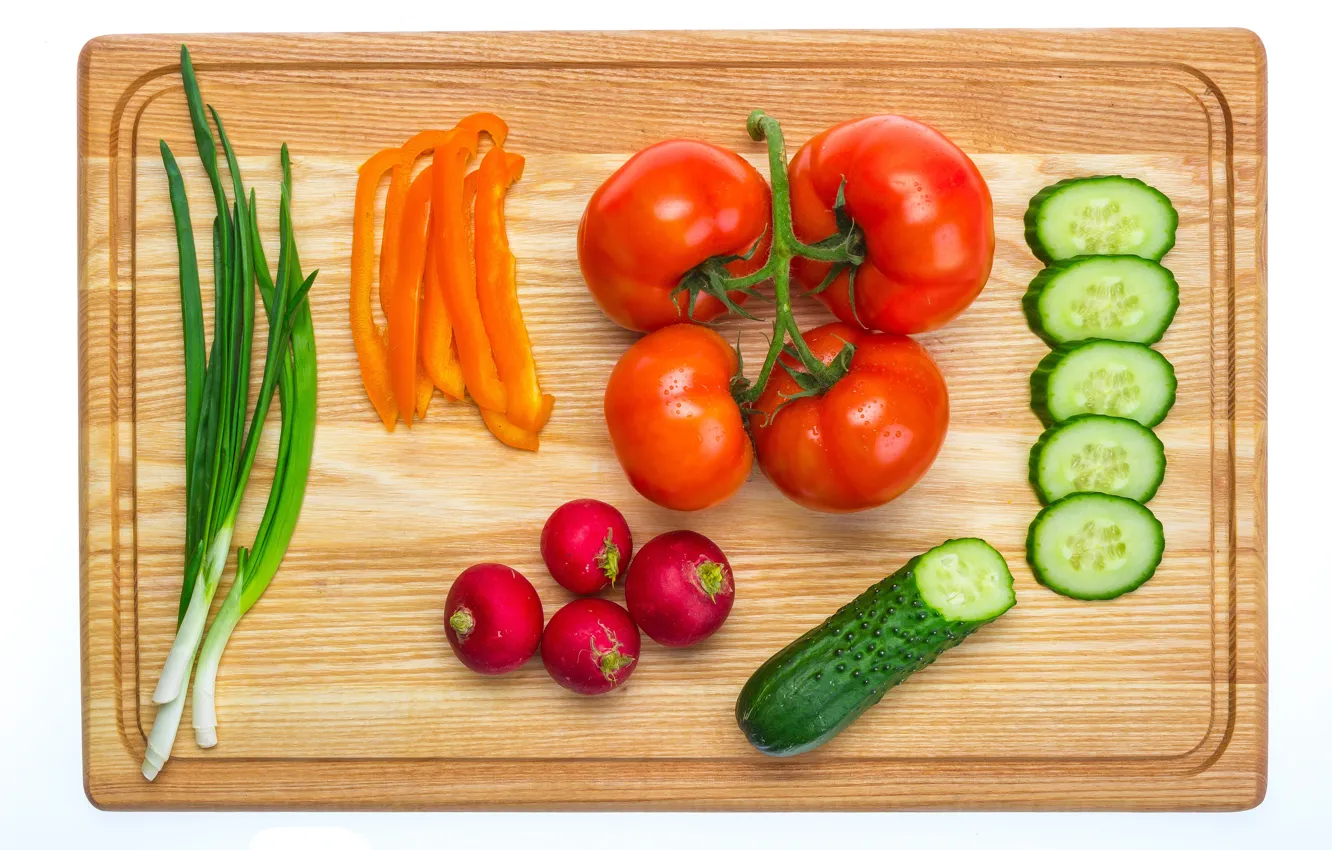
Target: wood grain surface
{"points": [[338, 689]]}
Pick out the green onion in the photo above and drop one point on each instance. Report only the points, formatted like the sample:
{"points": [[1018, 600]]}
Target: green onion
{"points": [[220, 450], [191, 314], [296, 391]]}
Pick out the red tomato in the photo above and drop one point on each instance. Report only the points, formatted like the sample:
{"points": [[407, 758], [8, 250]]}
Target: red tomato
{"points": [[867, 440], [667, 209], [926, 215], [676, 430]]}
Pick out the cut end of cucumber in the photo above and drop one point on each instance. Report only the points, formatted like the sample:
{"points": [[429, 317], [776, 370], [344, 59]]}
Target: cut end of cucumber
{"points": [[965, 580], [1094, 546]]}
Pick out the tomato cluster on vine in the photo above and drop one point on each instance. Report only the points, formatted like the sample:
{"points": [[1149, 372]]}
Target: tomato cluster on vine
{"points": [[883, 219]]}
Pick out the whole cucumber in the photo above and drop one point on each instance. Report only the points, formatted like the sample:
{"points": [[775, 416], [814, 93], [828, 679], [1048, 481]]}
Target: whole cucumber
{"points": [[817, 686]]}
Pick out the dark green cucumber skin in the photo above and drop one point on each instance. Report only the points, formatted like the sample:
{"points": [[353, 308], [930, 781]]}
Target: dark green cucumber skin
{"points": [[1040, 381], [1032, 216], [800, 699], [1031, 299], [1034, 460], [1044, 578]]}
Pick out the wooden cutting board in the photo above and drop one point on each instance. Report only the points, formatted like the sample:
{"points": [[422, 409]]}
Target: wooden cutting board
{"points": [[339, 690]]}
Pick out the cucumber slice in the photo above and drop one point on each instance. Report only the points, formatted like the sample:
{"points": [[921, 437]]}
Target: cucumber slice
{"points": [[1100, 215], [1097, 454], [1094, 546], [1103, 376], [1121, 297], [819, 684]]}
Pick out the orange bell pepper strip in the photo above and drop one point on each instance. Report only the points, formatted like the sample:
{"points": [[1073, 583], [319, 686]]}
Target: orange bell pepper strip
{"points": [[395, 210], [425, 391], [497, 290], [510, 434], [371, 350], [389, 258], [439, 350], [404, 305], [399, 187], [439, 353], [458, 278], [543, 415]]}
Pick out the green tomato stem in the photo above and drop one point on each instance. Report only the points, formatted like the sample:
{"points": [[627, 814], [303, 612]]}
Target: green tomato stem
{"points": [[785, 246]]}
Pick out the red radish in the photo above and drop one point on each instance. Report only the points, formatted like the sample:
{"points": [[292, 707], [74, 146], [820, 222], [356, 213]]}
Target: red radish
{"points": [[679, 589], [493, 618], [590, 646], [586, 545]]}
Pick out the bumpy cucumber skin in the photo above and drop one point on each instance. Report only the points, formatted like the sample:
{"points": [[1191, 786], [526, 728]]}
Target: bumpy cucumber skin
{"points": [[1040, 382], [1044, 578], [1031, 300], [1034, 461], [1031, 220], [799, 698]]}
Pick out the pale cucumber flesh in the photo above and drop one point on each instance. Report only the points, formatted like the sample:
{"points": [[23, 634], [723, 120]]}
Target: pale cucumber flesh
{"points": [[1094, 546], [1125, 298], [1111, 378], [965, 580], [1101, 215], [1098, 454]]}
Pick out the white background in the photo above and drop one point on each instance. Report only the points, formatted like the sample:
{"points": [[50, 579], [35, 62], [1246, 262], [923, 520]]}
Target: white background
{"points": [[41, 796]]}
